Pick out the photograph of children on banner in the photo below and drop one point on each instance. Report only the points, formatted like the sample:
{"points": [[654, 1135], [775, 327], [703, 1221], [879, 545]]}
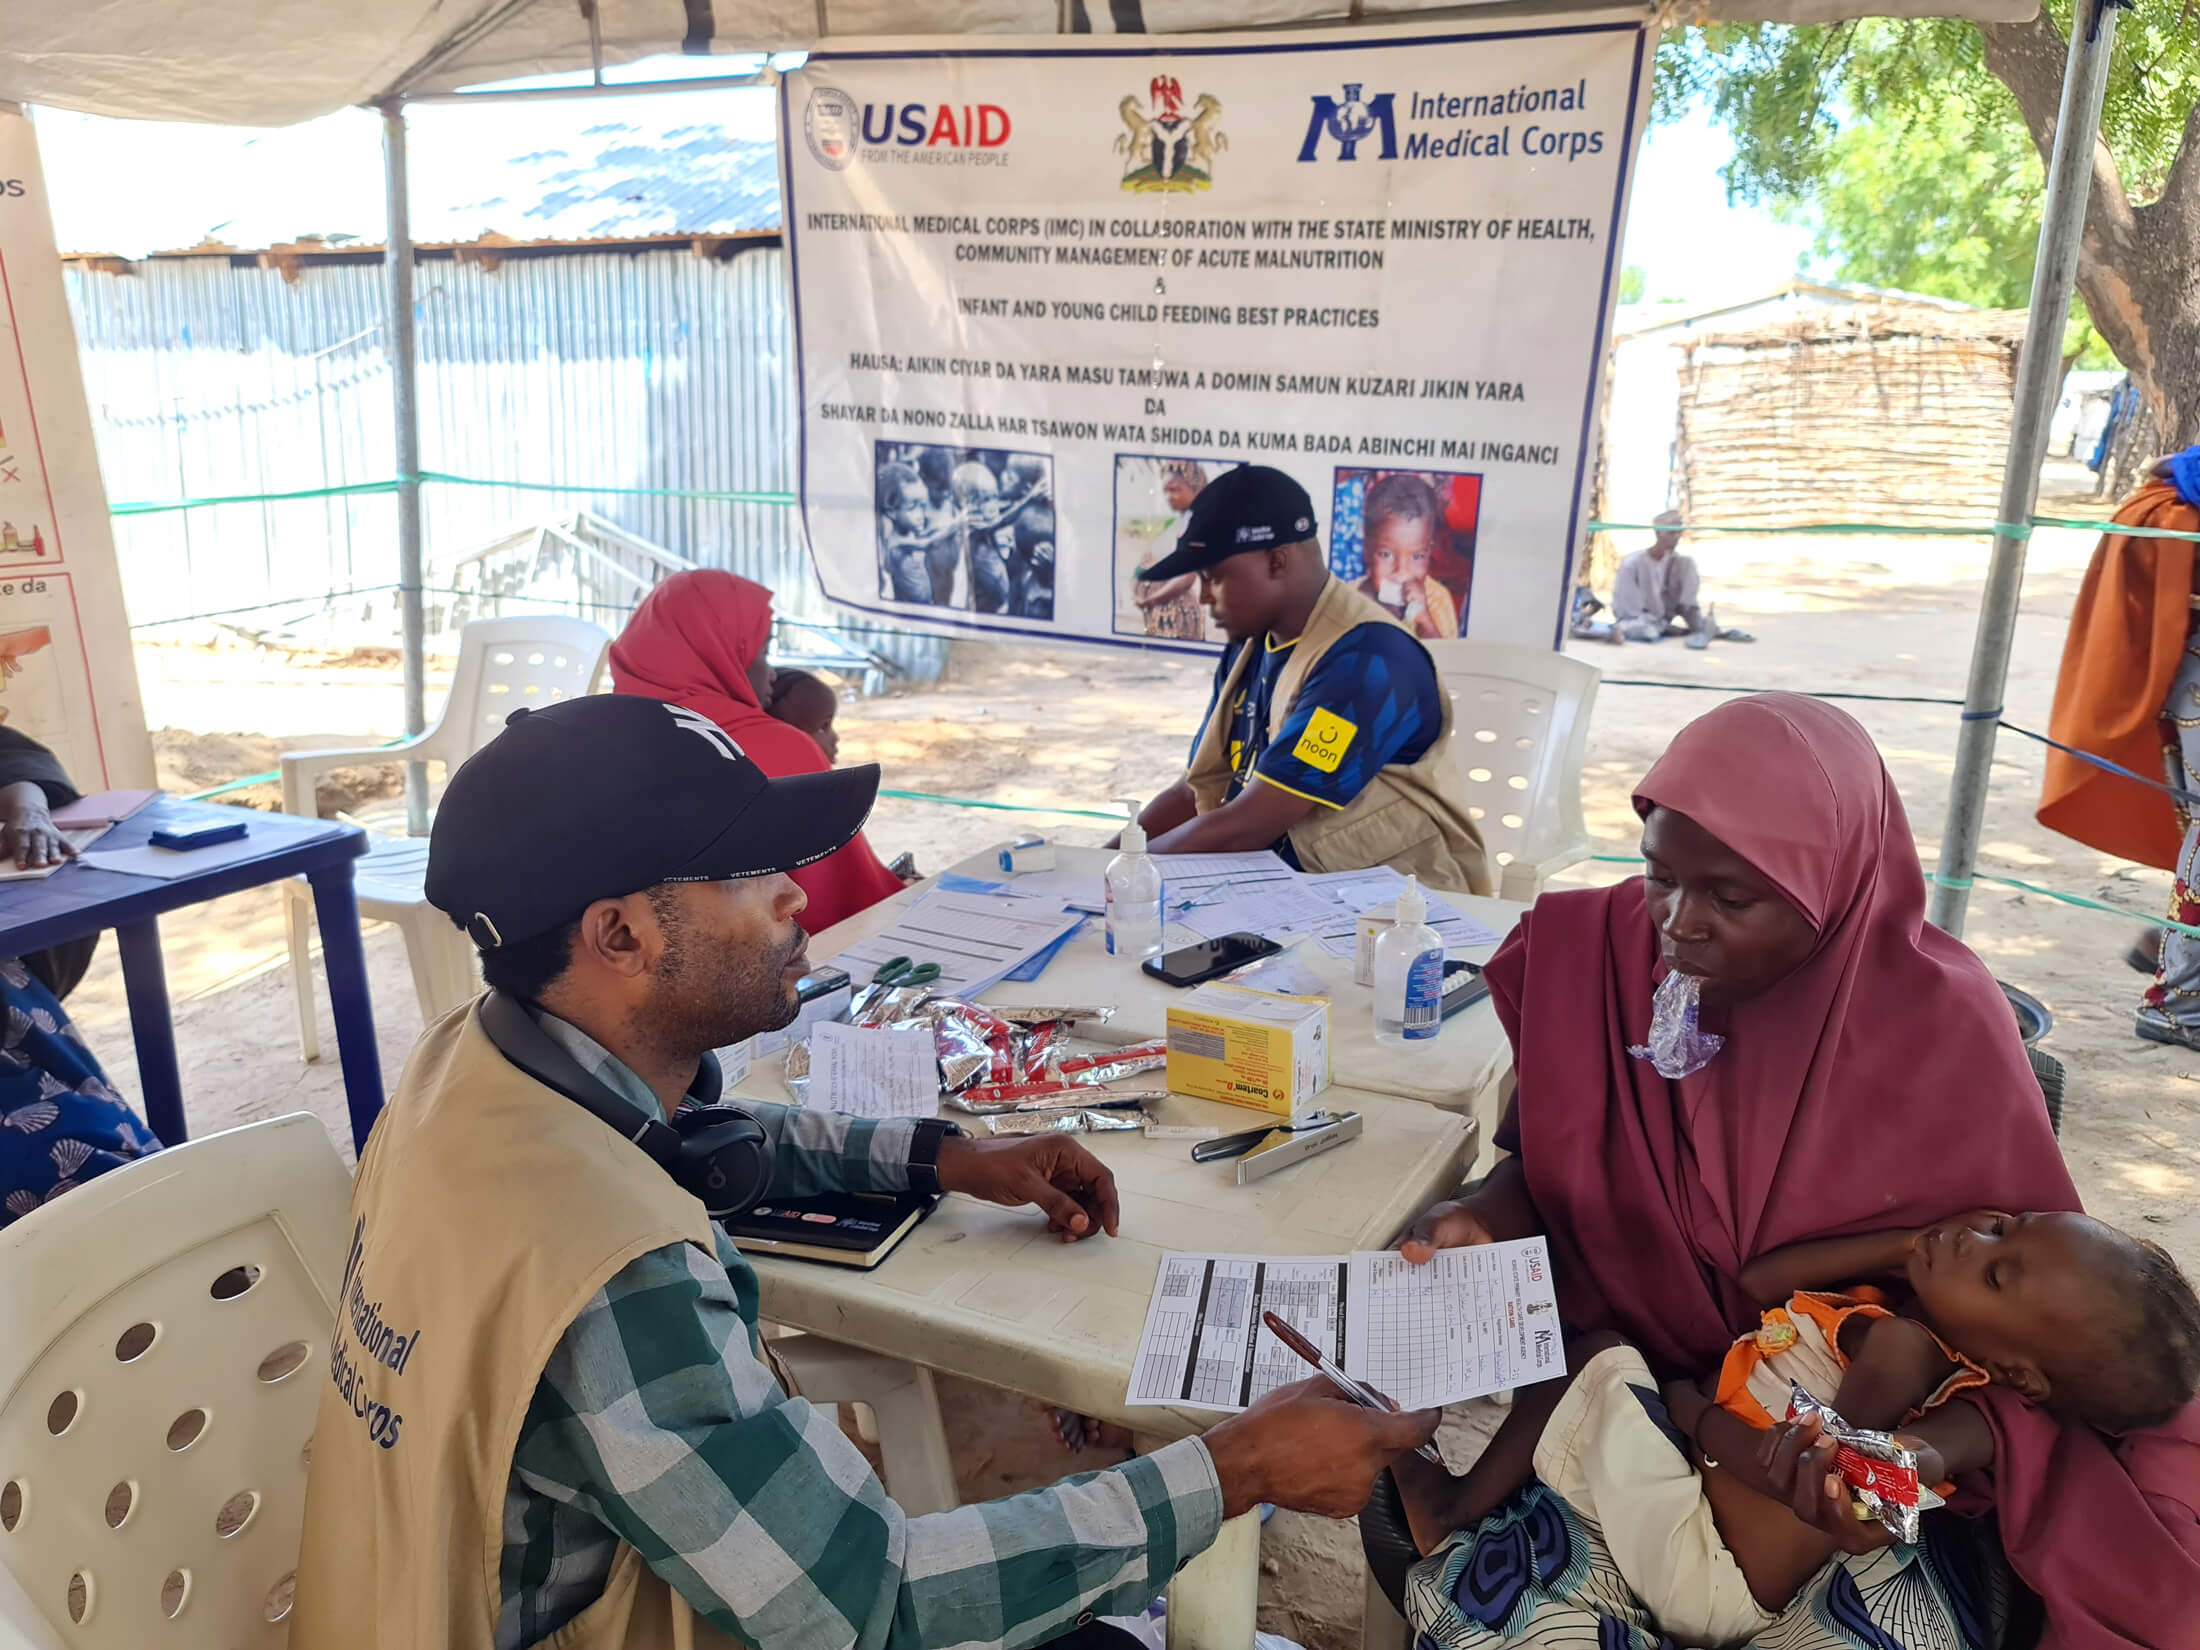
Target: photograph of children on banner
{"points": [[1153, 495], [1406, 538], [966, 527]]}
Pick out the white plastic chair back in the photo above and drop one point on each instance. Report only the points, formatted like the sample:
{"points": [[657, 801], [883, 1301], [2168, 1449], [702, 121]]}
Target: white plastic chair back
{"points": [[503, 664], [1520, 726], [164, 1338]]}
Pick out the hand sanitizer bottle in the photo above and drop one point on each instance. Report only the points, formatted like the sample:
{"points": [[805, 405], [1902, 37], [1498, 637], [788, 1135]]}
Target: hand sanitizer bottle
{"points": [[1134, 899], [1409, 975]]}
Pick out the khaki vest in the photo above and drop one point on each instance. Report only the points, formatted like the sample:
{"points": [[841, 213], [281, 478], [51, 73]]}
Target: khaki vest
{"points": [[1409, 818], [488, 1210]]}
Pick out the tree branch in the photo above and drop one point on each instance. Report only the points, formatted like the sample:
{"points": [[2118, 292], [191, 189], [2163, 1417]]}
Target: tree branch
{"points": [[2030, 58], [2181, 185]]}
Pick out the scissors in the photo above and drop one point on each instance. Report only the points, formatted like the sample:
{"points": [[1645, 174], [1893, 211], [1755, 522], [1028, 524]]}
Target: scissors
{"points": [[899, 972]]}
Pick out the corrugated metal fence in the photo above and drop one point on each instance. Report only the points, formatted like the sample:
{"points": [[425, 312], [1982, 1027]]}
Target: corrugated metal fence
{"points": [[211, 377]]}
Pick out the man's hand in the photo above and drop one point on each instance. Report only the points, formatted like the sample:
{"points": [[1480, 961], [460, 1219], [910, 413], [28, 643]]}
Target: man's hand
{"points": [[1311, 1449], [1072, 1187], [28, 834], [1444, 1226]]}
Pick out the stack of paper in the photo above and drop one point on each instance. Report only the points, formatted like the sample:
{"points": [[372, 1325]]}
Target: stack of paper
{"points": [[976, 939], [1356, 892]]}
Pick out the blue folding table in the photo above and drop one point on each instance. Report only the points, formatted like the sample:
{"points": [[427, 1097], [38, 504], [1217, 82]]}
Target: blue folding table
{"points": [[78, 900]]}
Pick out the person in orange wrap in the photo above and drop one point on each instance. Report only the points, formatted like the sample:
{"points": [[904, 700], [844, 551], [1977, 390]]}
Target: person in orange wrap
{"points": [[2129, 691]]}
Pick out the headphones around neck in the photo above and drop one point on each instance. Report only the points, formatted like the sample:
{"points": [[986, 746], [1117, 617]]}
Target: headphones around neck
{"points": [[718, 1153]]}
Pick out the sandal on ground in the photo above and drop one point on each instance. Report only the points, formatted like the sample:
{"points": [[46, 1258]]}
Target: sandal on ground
{"points": [[2154, 1025]]}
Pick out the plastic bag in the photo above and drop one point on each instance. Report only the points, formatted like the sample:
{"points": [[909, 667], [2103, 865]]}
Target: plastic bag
{"points": [[1678, 1046]]}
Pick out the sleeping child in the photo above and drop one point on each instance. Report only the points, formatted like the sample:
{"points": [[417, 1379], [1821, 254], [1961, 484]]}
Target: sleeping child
{"points": [[802, 701], [2100, 1328]]}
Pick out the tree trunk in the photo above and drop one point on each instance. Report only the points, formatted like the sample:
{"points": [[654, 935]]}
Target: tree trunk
{"points": [[2136, 264]]}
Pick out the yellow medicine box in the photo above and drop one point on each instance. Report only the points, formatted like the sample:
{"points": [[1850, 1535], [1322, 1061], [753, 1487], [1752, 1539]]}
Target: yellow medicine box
{"points": [[1249, 1048]]}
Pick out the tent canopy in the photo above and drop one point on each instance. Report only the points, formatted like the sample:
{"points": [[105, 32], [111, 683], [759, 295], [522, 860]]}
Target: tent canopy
{"points": [[282, 61]]}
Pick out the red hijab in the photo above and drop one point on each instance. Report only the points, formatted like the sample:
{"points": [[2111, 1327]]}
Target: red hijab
{"points": [[691, 643], [1882, 1084]]}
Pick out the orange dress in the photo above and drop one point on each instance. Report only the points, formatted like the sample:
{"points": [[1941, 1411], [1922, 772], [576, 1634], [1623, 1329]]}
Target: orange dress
{"points": [[2127, 638], [1801, 1342]]}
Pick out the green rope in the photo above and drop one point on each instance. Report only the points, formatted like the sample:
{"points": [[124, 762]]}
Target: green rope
{"points": [[161, 507], [720, 495], [1003, 807], [1873, 528], [2078, 900]]}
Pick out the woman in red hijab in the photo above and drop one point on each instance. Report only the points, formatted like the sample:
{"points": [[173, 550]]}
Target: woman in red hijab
{"points": [[1870, 1078], [698, 640]]}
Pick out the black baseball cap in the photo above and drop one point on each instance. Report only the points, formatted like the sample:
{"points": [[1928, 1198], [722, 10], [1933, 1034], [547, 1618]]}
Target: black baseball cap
{"points": [[1249, 508], [601, 797]]}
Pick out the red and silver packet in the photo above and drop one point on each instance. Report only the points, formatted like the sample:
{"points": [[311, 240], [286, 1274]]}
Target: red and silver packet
{"points": [[1111, 1064], [1876, 1466]]}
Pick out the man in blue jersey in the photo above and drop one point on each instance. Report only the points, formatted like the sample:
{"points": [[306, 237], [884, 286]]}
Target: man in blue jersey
{"points": [[1328, 737]]}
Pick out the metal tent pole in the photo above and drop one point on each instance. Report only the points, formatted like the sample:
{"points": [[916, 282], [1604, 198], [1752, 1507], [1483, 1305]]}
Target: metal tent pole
{"points": [[2039, 370], [397, 265]]}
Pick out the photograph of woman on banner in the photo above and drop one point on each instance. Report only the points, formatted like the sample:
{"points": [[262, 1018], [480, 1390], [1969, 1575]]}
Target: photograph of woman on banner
{"points": [[1152, 498], [966, 527], [1406, 537]]}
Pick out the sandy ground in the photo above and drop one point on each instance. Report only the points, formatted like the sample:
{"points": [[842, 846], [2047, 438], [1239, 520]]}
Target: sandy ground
{"points": [[1076, 729]]}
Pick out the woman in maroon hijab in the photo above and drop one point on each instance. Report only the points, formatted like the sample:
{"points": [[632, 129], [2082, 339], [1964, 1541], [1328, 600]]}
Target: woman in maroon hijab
{"points": [[1870, 1078]]}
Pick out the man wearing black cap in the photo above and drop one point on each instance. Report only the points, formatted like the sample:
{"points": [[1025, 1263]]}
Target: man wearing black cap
{"points": [[1329, 735], [548, 1411]]}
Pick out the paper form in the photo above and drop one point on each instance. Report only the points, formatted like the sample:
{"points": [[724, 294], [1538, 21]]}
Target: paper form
{"points": [[1472, 1322], [976, 939], [1187, 877], [1358, 892], [1073, 890], [1279, 910], [874, 1072]]}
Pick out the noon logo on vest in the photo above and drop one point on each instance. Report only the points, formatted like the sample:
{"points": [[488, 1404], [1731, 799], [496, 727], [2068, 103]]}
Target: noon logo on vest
{"points": [[373, 1342]]}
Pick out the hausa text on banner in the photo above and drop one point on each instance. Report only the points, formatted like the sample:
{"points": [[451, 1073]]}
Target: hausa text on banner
{"points": [[1045, 293]]}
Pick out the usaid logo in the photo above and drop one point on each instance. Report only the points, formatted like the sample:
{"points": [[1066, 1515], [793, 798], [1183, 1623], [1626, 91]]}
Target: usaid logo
{"points": [[1351, 123], [829, 123]]}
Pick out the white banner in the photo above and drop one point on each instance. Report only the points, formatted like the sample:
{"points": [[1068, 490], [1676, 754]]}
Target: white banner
{"points": [[67, 677], [1045, 293]]}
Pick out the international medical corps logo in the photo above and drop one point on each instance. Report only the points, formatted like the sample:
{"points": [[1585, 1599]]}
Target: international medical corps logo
{"points": [[829, 125], [1350, 123], [1163, 147]]}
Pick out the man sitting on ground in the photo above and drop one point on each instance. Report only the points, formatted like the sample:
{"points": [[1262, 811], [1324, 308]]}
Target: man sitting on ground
{"points": [[550, 1416], [1329, 735], [1654, 594]]}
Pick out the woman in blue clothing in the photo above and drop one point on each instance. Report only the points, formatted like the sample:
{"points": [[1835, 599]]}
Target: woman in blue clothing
{"points": [[60, 1121]]}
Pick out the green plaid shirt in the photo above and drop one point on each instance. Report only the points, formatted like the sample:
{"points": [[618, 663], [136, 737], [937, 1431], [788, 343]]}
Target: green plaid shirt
{"points": [[657, 1423]]}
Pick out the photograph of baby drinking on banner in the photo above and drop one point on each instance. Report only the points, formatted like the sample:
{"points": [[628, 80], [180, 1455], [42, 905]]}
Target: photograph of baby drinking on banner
{"points": [[1406, 539]]}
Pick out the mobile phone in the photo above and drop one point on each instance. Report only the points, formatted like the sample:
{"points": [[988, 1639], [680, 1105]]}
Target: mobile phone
{"points": [[203, 836], [1463, 986], [819, 982], [1190, 964]]}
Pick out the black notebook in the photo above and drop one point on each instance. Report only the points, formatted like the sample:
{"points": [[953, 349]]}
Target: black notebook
{"points": [[838, 1228]]}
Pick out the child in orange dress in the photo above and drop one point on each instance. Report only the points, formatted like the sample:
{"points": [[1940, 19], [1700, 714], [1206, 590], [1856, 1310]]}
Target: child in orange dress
{"points": [[2097, 1326]]}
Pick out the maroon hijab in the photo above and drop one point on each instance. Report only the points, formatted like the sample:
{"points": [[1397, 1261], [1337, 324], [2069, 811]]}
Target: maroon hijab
{"points": [[1882, 1084]]}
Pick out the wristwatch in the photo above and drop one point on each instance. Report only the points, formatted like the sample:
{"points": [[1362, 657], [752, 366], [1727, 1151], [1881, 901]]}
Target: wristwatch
{"points": [[924, 1154]]}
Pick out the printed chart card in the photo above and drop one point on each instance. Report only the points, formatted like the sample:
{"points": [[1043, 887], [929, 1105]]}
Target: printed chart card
{"points": [[1471, 1322]]}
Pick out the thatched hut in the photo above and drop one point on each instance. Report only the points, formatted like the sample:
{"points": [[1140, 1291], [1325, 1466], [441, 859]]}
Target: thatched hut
{"points": [[1891, 413]]}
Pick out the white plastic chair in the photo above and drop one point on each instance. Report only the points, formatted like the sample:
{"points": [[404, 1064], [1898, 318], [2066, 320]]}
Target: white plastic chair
{"points": [[503, 664], [164, 1337], [904, 1419], [1520, 723]]}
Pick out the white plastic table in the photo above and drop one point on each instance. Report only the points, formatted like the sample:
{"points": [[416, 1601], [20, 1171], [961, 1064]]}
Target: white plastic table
{"points": [[987, 1293], [1462, 1069]]}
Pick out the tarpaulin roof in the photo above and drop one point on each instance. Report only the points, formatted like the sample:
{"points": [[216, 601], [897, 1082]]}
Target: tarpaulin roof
{"points": [[279, 61]]}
